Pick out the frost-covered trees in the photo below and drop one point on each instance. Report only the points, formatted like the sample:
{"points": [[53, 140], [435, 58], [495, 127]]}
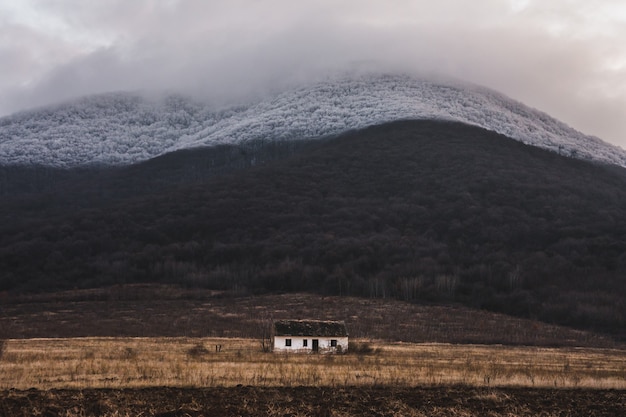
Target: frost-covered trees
{"points": [[126, 128]]}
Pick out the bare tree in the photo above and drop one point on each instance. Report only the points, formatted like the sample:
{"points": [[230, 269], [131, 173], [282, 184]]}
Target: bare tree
{"points": [[265, 331], [3, 343]]}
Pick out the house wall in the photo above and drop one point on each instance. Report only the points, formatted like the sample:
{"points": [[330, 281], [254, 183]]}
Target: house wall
{"points": [[297, 344]]}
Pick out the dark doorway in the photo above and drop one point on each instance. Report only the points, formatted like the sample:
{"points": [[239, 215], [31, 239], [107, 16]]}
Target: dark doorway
{"points": [[316, 345]]}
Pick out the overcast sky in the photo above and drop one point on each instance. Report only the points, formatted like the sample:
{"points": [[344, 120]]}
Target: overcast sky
{"points": [[565, 57]]}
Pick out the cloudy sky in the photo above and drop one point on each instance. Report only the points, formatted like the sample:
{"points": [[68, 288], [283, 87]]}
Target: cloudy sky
{"points": [[565, 57]]}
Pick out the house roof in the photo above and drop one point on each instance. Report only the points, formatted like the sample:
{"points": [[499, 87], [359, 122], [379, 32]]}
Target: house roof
{"points": [[310, 328]]}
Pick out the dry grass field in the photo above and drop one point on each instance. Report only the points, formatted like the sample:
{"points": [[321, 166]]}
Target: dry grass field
{"points": [[80, 363], [150, 351]]}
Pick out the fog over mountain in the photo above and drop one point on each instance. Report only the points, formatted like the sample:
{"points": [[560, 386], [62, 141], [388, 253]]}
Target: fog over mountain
{"points": [[565, 57]]}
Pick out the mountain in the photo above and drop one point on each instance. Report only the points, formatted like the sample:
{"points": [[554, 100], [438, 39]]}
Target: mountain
{"points": [[123, 128], [426, 211], [376, 186]]}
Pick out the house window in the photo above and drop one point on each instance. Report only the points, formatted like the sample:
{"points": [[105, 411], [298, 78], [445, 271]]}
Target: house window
{"points": [[305, 343], [333, 342], [288, 342]]}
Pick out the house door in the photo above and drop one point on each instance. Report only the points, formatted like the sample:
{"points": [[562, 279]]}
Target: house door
{"points": [[316, 345]]}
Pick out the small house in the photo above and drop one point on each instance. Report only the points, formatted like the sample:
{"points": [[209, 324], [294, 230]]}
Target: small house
{"points": [[310, 336]]}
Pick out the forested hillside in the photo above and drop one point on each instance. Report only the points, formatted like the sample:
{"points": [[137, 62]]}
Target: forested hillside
{"points": [[418, 210]]}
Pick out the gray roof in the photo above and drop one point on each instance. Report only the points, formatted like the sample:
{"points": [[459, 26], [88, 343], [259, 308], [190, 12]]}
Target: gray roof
{"points": [[310, 328]]}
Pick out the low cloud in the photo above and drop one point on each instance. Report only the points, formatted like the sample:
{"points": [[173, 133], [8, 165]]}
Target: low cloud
{"points": [[566, 58]]}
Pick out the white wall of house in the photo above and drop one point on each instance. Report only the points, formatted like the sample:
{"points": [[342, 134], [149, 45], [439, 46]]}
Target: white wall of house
{"points": [[298, 344]]}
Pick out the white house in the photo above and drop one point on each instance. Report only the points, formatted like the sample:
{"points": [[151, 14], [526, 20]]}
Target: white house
{"points": [[310, 336]]}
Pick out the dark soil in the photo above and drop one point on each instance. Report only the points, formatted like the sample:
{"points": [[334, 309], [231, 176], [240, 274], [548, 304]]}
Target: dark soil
{"points": [[307, 401]]}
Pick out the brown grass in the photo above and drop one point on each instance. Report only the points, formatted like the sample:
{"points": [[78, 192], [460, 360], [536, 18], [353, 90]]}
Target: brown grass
{"points": [[82, 363]]}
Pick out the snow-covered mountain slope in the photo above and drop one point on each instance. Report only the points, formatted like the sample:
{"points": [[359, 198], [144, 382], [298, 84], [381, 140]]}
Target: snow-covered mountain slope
{"points": [[121, 128]]}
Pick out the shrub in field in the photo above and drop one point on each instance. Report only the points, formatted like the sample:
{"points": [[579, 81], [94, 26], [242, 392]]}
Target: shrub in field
{"points": [[363, 348], [197, 351], [129, 353]]}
